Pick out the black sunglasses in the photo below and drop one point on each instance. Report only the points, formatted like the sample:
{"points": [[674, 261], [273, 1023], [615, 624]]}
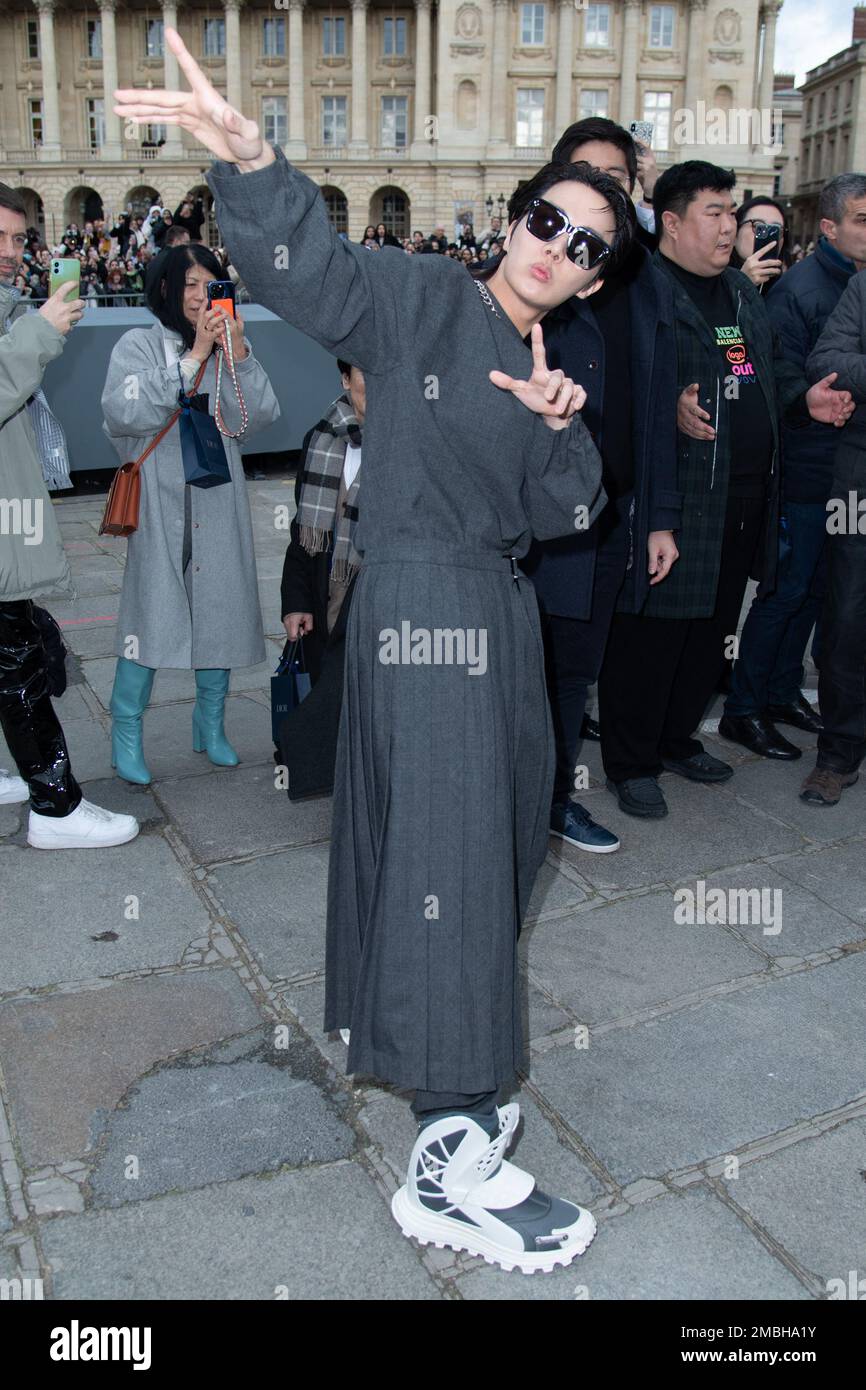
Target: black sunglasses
{"points": [[583, 248]]}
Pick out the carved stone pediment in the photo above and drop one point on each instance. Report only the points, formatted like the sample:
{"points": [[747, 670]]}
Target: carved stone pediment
{"points": [[726, 55], [460, 50]]}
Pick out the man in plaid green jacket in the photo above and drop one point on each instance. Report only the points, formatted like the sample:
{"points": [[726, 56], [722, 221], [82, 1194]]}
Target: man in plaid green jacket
{"points": [[662, 665]]}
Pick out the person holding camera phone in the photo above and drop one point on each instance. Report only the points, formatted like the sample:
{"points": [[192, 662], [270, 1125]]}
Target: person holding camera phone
{"points": [[759, 249], [60, 818], [190, 596]]}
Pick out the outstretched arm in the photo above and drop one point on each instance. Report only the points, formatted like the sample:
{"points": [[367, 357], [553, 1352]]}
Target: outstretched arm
{"points": [[273, 218]]}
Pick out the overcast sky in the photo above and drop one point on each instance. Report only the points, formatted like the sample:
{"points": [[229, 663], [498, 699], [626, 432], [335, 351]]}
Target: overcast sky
{"points": [[808, 33]]}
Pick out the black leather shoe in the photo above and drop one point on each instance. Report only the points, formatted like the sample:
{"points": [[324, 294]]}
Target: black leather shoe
{"points": [[755, 732], [589, 729], [700, 767], [798, 713]]}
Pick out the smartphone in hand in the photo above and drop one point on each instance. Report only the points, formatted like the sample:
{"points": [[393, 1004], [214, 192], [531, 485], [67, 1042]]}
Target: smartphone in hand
{"points": [[766, 236], [221, 295], [65, 271], [642, 132]]}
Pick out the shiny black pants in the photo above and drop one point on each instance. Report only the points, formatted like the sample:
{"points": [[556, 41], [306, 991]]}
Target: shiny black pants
{"points": [[30, 726]]}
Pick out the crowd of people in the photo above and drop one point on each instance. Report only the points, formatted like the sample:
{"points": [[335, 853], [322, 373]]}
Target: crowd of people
{"points": [[639, 406], [115, 259]]}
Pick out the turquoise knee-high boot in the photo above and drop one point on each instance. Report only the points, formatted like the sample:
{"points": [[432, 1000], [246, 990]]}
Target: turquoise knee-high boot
{"points": [[132, 687], [208, 734]]}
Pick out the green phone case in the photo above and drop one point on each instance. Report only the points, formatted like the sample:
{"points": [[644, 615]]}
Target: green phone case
{"points": [[65, 272]]}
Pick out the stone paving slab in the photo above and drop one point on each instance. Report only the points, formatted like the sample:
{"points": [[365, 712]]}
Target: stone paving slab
{"points": [[69, 1058], [320, 1233], [278, 903], [684, 1247], [706, 829], [701, 1083], [553, 891], [612, 959], [835, 876], [810, 1197], [89, 749], [72, 704], [243, 813], [170, 913], [189, 1126], [776, 786], [808, 925], [94, 640]]}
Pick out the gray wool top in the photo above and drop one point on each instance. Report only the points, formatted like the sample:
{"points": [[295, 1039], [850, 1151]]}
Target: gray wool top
{"points": [[449, 459]]}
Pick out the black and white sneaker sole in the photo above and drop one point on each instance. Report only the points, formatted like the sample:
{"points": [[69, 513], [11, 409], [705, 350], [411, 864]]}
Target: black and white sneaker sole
{"points": [[429, 1229]]}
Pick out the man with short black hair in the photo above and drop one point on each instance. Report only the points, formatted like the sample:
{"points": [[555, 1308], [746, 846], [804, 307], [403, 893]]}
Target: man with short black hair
{"points": [[663, 664]]}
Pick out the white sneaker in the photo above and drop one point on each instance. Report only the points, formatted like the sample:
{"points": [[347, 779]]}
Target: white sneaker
{"points": [[13, 790], [87, 827], [344, 1034], [460, 1192]]}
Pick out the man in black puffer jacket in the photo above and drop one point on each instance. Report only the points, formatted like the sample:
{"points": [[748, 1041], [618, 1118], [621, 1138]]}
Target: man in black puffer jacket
{"points": [[766, 685]]}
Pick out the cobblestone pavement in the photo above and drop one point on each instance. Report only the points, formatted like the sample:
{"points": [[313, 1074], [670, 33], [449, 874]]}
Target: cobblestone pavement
{"points": [[175, 1124]]}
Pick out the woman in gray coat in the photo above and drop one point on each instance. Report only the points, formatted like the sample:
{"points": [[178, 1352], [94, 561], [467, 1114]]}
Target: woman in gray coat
{"points": [[190, 591], [445, 754]]}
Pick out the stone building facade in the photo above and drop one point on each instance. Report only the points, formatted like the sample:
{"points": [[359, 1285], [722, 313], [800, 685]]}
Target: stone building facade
{"points": [[833, 129], [408, 113]]}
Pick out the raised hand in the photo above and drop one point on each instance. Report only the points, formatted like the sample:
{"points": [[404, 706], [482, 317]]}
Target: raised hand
{"points": [[547, 393], [218, 126]]}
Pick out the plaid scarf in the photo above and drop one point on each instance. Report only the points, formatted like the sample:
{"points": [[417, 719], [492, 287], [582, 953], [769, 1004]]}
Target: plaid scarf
{"points": [[320, 485]]}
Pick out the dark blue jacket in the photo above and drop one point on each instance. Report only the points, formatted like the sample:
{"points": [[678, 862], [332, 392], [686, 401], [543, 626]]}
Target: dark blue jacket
{"points": [[799, 305], [563, 570]]}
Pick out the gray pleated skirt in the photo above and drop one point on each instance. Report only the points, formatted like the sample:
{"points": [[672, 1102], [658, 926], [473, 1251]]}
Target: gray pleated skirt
{"points": [[440, 824]]}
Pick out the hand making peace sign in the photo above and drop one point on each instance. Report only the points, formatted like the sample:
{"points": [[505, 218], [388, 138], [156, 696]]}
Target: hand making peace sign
{"points": [[550, 394], [218, 126]]}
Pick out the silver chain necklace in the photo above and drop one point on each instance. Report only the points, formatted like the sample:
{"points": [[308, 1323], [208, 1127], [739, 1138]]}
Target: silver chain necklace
{"points": [[487, 297]]}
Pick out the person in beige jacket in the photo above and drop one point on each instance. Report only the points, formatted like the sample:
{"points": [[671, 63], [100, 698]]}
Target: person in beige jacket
{"points": [[33, 563]]}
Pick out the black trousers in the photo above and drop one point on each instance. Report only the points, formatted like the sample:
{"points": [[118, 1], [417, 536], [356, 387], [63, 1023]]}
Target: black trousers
{"points": [[30, 726], [659, 674], [842, 678], [574, 647]]}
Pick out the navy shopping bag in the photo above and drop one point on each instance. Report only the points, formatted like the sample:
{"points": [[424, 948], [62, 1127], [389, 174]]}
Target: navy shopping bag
{"points": [[204, 456], [290, 684]]}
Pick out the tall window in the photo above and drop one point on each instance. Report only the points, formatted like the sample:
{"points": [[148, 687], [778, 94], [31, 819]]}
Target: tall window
{"points": [[338, 209], [94, 38], [33, 39], [596, 29], [333, 36], [275, 123], [394, 122], [530, 116], [657, 108], [154, 134], [274, 38], [394, 36], [214, 38], [661, 26], [95, 122], [334, 130], [34, 108], [154, 43], [531, 25], [593, 102]]}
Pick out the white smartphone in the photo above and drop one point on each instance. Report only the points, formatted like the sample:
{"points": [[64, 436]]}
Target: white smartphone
{"points": [[642, 132]]}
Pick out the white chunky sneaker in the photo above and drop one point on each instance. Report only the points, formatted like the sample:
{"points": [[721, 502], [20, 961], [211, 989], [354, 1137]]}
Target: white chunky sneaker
{"points": [[13, 790], [87, 827], [462, 1193], [344, 1034]]}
